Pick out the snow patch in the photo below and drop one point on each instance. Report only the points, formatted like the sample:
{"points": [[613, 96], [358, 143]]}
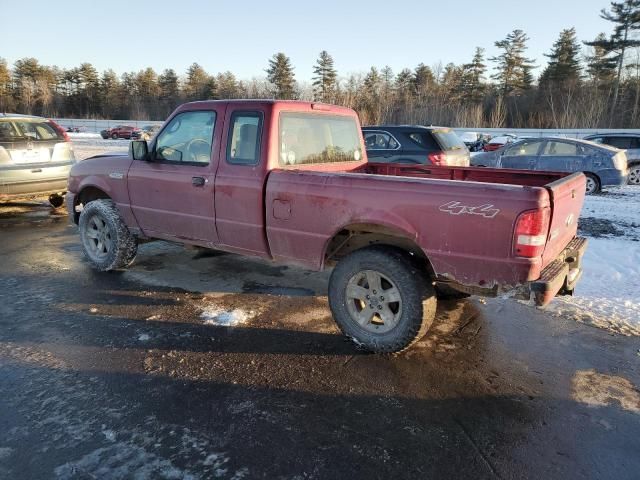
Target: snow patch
{"points": [[214, 315], [144, 337]]}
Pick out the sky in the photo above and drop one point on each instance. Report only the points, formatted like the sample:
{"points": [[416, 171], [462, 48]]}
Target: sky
{"points": [[241, 36]]}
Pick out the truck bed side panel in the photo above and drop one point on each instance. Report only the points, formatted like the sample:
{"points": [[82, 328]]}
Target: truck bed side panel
{"points": [[464, 228]]}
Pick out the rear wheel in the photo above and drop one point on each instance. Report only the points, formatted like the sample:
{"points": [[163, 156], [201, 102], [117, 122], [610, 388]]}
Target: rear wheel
{"points": [[381, 300], [593, 184], [634, 174], [107, 242]]}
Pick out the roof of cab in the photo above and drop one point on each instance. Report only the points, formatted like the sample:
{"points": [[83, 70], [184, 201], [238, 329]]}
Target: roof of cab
{"points": [[318, 106]]}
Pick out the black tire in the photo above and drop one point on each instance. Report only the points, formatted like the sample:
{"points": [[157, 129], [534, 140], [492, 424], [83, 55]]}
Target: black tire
{"points": [[413, 314], [56, 200], [445, 292], [634, 174], [107, 242], [595, 185], [114, 136]]}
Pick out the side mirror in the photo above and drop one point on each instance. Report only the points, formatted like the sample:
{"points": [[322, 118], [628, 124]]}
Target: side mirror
{"points": [[139, 150]]}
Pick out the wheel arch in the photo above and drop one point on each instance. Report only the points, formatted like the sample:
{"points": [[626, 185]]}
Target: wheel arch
{"points": [[87, 194], [355, 236]]}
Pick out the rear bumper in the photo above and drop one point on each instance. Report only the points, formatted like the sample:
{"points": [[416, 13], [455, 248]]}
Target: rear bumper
{"points": [[32, 188], [612, 177], [561, 275]]}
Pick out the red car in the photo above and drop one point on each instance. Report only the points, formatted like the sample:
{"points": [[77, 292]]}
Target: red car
{"points": [[119, 131], [290, 182], [498, 142]]}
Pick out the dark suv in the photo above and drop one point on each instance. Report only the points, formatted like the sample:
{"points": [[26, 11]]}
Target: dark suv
{"points": [[625, 141], [415, 144]]}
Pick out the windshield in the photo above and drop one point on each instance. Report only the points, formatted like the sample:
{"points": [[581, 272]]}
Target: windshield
{"points": [[448, 140], [28, 130], [313, 138]]}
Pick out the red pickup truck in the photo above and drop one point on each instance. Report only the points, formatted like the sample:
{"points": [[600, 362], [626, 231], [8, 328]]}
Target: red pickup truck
{"points": [[290, 182]]}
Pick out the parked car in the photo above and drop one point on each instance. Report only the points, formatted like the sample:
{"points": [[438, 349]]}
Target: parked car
{"points": [[415, 144], [35, 158], [603, 165], [147, 132], [498, 142], [630, 142], [119, 131], [290, 182], [474, 141]]}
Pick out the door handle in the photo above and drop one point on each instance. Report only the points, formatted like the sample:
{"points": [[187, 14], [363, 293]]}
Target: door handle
{"points": [[197, 181]]}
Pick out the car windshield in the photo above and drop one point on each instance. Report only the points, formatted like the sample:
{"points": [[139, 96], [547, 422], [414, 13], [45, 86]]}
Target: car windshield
{"points": [[448, 140], [28, 130]]}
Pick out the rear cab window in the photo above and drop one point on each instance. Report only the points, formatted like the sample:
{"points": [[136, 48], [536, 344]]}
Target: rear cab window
{"points": [[309, 138]]}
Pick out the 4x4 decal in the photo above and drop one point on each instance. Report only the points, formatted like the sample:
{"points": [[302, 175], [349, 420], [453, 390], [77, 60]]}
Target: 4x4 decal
{"points": [[456, 208]]}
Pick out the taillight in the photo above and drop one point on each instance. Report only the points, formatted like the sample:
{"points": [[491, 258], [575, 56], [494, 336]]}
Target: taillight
{"points": [[531, 231], [438, 158], [60, 130]]}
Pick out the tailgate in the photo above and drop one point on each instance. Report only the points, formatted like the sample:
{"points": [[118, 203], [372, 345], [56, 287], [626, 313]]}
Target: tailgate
{"points": [[567, 197]]}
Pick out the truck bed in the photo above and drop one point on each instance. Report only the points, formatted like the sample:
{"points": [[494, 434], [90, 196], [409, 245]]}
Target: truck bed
{"points": [[462, 218]]}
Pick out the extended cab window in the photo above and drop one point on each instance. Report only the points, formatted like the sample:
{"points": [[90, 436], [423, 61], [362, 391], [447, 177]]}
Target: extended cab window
{"points": [[307, 138], [244, 140], [187, 138]]}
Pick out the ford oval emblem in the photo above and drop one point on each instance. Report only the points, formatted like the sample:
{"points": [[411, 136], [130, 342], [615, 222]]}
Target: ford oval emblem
{"points": [[569, 221]]}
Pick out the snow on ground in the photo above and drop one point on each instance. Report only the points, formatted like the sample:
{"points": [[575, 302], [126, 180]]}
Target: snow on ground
{"points": [[86, 145], [77, 135], [608, 295], [214, 315]]}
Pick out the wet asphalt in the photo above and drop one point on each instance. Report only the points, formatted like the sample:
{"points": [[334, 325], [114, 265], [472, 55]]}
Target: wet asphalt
{"points": [[117, 375]]}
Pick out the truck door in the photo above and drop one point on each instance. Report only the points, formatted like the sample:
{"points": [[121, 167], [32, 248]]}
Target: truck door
{"points": [[521, 155], [172, 193], [240, 181]]}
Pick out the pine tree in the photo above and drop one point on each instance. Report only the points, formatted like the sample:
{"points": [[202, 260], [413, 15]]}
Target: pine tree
{"points": [[325, 78], [564, 60], [626, 17], [280, 74], [196, 84], [423, 80], [473, 87], [513, 68], [6, 101], [227, 85], [600, 67]]}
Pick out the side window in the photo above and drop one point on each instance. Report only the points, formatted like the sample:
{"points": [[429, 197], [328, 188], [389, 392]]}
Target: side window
{"points": [[635, 142], [243, 146], [523, 149], [379, 141], [598, 140], [620, 142], [561, 149], [187, 138]]}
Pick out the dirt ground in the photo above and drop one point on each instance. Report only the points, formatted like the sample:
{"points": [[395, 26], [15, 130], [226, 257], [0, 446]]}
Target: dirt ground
{"points": [[122, 375]]}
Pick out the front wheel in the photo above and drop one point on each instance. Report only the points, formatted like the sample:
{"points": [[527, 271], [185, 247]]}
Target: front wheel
{"points": [[381, 300], [634, 175], [114, 136], [107, 242]]}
